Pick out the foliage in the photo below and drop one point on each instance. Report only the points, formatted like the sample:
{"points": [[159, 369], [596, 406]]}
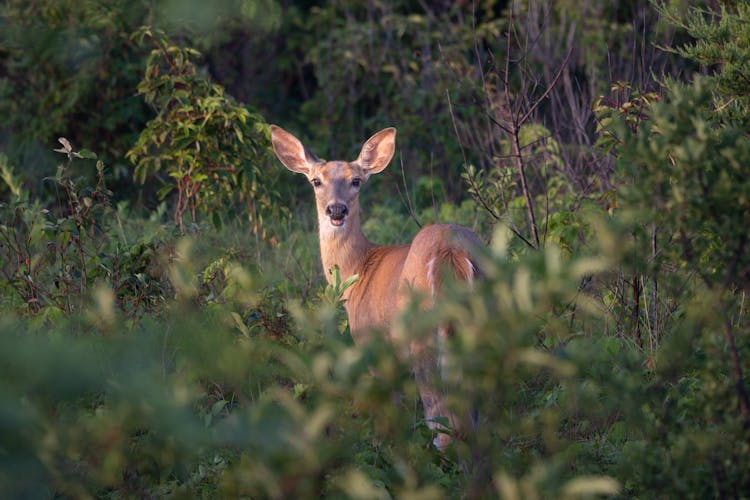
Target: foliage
{"points": [[558, 204], [202, 405], [405, 79], [52, 259], [211, 147], [682, 163], [686, 163], [720, 40], [67, 67], [608, 358]]}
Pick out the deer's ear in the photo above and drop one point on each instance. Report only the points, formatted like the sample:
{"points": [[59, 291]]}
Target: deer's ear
{"points": [[377, 151], [290, 151]]}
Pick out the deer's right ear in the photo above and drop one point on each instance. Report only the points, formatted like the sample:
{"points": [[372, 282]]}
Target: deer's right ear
{"points": [[290, 151]]}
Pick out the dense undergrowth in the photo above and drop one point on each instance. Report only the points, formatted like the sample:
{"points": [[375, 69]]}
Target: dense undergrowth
{"points": [[178, 341]]}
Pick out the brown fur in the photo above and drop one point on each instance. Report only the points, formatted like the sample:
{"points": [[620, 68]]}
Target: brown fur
{"points": [[388, 275]]}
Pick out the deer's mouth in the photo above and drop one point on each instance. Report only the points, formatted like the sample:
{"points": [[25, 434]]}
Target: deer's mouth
{"points": [[337, 221]]}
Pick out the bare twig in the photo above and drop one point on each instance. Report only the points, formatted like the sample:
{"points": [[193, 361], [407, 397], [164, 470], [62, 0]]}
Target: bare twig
{"points": [[513, 130], [478, 195], [744, 402], [654, 291], [405, 196], [516, 147], [548, 90]]}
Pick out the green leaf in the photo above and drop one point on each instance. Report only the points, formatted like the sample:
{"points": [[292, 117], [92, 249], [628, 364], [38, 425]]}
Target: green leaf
{"points": [[218, 406], [89, 155], [348, 282], [240, 324], [63, 239], [591, 485], [164, 191]]}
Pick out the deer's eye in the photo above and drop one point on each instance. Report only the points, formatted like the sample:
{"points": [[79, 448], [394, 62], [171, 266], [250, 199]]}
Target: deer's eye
{"points": [[356, 182], [316, 182]]}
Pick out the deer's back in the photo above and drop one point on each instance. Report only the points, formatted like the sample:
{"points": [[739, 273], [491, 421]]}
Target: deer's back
{"points": [[391, 274], [436, 251]]}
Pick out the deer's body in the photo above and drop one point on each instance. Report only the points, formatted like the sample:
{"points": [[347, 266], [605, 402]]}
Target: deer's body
{"points": [[388, 275]]}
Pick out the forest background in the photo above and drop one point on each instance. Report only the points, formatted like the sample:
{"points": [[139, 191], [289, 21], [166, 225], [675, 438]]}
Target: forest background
{"points": [[165, 325]]}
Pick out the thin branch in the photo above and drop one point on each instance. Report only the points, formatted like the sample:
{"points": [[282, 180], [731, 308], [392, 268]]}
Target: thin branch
{"points": [[405, 195], [499, 125], [744, 401], [735, 261], [516, 145], [549, 88], [513, 132], [478, 196], [528, 243], [655, 287], [432, 185]]}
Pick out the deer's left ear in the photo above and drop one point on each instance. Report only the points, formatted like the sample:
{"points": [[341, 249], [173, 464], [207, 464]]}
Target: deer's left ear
{"points": [[377, 152]]}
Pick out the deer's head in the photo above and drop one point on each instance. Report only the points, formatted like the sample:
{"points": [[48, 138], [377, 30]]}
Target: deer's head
{"points": [[336, 183]]}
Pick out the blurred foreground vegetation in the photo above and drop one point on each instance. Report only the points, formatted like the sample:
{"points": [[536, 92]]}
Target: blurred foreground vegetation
{"points": [[165, 326]]}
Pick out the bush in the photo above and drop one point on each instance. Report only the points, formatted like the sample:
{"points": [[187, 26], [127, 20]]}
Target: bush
{"points": [[212, 148], [604, 356]]}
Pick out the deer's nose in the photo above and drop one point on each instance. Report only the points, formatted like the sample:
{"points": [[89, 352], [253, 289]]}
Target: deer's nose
{"points": [[337, 211]]}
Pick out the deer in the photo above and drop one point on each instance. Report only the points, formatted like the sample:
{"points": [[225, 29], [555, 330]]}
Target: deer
{"points": [[388, 276]]}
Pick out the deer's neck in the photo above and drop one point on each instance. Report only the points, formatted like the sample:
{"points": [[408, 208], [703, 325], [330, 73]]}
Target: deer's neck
{"points": [[346, 249]]}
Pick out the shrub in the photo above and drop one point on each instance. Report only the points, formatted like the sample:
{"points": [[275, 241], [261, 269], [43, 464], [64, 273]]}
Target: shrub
{"points": [[212, 148]]}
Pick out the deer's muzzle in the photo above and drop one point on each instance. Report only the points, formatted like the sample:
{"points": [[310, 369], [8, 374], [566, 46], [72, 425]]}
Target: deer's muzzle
{"points": [[337, 212]]}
